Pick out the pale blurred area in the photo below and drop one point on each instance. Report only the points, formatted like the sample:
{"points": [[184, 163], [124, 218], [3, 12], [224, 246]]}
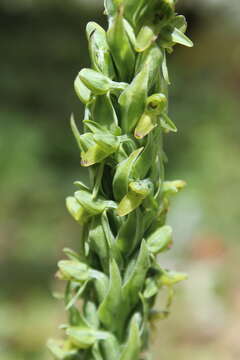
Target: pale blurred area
{"points": [[43, 46]]}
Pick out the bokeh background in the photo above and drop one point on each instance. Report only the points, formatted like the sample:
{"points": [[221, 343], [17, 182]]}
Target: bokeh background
{"points": [[43, 46]]}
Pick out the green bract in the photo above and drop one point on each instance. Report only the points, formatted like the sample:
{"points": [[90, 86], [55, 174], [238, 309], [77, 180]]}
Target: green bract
{"points": [[114, 279], [99, 50], [120, 45]]}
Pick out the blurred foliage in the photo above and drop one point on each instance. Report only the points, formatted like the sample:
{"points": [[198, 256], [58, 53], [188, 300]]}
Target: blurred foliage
{"points": [[43, 46]]}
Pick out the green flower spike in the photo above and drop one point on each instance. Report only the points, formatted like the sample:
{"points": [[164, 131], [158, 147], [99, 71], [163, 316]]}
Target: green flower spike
{"points": [[114, 278]]}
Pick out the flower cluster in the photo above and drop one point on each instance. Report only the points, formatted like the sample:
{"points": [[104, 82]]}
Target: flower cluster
{"points": [[113, 281]]}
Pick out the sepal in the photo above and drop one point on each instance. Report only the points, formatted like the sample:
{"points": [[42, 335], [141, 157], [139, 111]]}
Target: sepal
{"points": [[160, 240], [100, 84], [82, 91], [167, 124], [93, 207], [76, 210], [138, 191], [84, 338], [170, 278], [173, 187], [62, 350]]}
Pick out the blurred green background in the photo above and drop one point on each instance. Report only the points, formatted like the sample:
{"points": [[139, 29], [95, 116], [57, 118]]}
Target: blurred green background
{"points": [[43, 46]]}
